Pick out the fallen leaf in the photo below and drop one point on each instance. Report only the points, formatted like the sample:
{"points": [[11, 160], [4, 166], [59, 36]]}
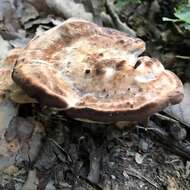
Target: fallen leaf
{"points": [[28, 13], [19, 42], [69, 9], [40, 5], [11, 170], [50, 186], [95, 7], [25, 135], [4, 48], [31, 182], [181, 112], [8, 16], [172, 184], [139, 158], [20, 128], [7, 111]]}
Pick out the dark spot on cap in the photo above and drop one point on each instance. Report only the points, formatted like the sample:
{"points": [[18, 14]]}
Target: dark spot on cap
{"points": [[137, 64], [99, 70], [148, 63], [87, 71], [121, 41], [120, 65], [140, 89]]}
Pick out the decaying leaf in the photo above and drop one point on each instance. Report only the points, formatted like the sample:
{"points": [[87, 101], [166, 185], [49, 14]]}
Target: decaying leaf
{"points": [[20, 138], [8, 16], [4, 48], [19, 128], [7, 112], [31, 182], [28, 13], [182, 111], [25, 135], [69, 9], [95, 7], [172, 184]]}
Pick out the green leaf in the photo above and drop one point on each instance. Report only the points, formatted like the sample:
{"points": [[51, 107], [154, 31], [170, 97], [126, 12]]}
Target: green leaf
{"points": [[121, 3], [187, 26], [183, 14]]}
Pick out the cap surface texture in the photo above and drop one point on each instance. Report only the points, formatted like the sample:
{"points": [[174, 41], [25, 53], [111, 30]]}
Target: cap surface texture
{"points": [[95, 73]]}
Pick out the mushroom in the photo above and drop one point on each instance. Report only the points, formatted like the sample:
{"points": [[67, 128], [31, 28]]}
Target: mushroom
{"points": [[7, 86], [6, 67], [95, 74]]}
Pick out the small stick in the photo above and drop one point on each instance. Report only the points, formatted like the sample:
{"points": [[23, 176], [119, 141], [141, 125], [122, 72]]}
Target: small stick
{"points": [[138, 175]]}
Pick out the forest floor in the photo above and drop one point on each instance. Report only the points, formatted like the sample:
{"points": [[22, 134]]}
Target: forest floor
{"points": [[72, 155]]}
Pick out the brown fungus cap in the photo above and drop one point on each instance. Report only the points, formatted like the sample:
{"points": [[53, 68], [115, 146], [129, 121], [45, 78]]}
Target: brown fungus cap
{"points": [[8, 88], [6, 68], [95, 73]]}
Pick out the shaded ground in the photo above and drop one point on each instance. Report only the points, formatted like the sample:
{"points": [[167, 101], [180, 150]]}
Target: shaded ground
{"points": [[76, 155]]}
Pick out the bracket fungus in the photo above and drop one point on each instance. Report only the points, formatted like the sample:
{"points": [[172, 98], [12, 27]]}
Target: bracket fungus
{"points": [[95, 74]]}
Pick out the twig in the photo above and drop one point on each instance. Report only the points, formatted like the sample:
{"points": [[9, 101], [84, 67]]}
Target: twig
{"points": [[166, 118], [138, 175], [120, 25], [95, 9], [61, 148], [183, 57], [178, 147], [18, 180], [94, 174]]}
